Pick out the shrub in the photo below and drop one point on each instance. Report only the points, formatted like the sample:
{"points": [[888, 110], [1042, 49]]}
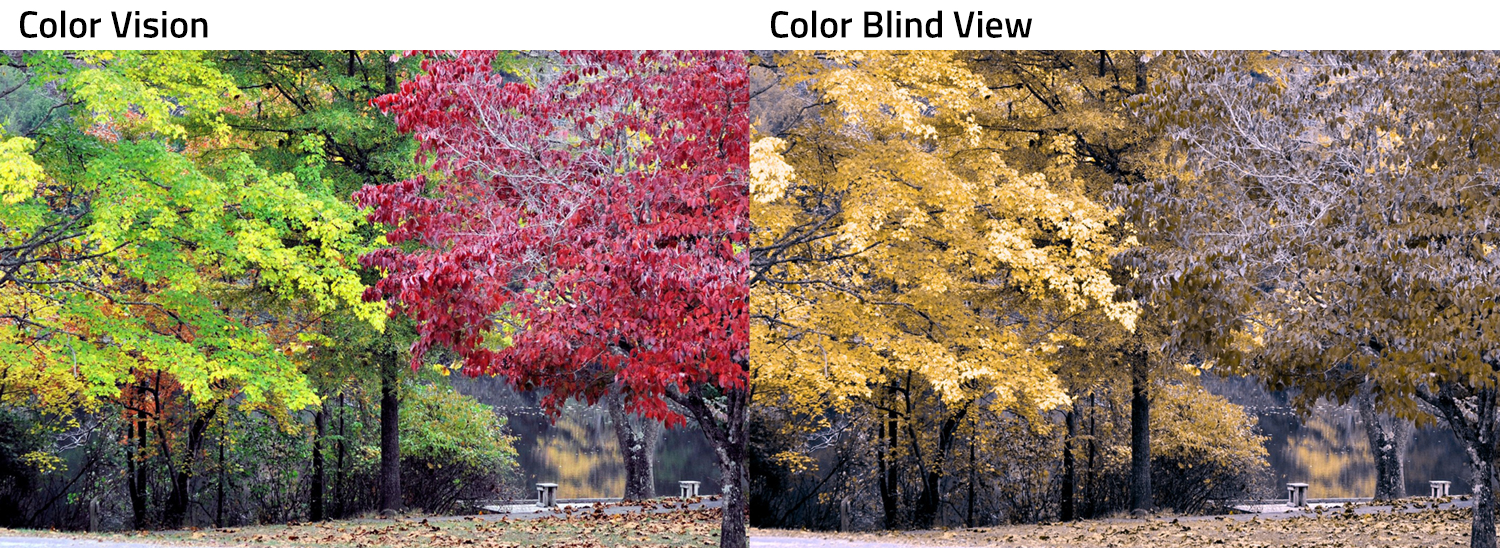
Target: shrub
{"points": [[1202, 448], [452, 448]]}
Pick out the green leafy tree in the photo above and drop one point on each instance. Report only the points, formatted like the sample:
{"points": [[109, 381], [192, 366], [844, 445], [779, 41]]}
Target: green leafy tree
{"points": [[133, 227], [323, 98]]}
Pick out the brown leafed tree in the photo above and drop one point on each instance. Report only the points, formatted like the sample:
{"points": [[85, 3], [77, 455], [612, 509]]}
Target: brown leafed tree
{"points": [[1332, 217]]}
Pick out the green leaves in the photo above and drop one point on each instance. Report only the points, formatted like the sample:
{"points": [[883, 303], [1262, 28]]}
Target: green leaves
{"points": [[439, 425], [139, 242], [165, 94]]}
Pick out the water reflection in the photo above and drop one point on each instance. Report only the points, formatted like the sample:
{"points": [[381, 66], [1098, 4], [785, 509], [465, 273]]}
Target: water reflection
{"points": [[579, 452], [1330, 451]]}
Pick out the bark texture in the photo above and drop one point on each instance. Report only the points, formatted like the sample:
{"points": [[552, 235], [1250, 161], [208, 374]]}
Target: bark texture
{"points": [[390, 434], [1471, 414], [638, 438], [1070, 469], [1140, 432], [724, 418], [1389, 438], [316, 510]]}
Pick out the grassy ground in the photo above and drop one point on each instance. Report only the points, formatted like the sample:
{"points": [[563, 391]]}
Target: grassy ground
{"points": [[1332, 529], [584, 529]]}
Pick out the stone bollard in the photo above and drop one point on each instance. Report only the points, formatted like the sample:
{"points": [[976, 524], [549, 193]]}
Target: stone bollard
{"points": [[688, 489], [1439, 488], [844, 515], [1296, 494], [546, 495], [93, 515]]}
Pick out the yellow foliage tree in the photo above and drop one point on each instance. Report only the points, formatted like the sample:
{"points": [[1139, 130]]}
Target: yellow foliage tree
{"points": [[911, 250]]}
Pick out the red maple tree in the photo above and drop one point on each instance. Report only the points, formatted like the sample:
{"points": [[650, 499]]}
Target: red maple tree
{"points": [[597, 217]]}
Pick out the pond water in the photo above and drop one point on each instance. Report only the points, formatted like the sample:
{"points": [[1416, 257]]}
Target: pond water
{"points": [[579, 451], [1329, 450]]}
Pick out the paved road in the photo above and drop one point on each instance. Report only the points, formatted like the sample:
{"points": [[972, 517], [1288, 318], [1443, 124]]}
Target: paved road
{"points": [[755, 542], [1280, 511], [61, 542], [531, 511], [809, 542]]}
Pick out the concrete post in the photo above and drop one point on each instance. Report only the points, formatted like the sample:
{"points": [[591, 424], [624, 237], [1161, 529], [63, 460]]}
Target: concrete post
{"points": [[1296, 494], [844, 515], [93, 515], [546, 495], [688, 489], [1439, 488]]}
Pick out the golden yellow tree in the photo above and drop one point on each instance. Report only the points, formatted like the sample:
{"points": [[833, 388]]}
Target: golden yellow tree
{"points": [[909, 250]]}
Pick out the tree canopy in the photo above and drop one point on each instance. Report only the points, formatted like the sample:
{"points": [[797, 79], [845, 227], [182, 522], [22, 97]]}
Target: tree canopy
{"points": [[132, 228], [585, 229], [895, 232], [1329, 216]]}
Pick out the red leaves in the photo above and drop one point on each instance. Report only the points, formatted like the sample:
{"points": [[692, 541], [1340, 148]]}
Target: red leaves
{"points": [[592, 218]]}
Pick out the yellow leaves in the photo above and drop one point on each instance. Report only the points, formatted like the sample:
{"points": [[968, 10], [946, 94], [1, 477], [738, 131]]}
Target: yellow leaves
{"points": [[793, 461], [42, 462], [884, 90], [1188, 421], [769, 173], [936, 252], [149, 92], [19, 174], [1078, 272], [304, 271]]}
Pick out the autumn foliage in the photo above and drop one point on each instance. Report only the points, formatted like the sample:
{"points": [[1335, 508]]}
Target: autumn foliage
{"points": [[583, 229]]}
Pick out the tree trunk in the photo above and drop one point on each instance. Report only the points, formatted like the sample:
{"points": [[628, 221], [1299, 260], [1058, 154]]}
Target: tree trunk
{"points": [[176, 509], [930, 501], [177, 499], [724, 419], [890, 470], [223, 476], [137, 470], [1482, 530], [929, 506], [969, 515], [1140, 432], [1471, 415], [341, 492], [316, 511], [1389, 437], [390, 434], [1092, 480], [1070, 468], [638, 438]]}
